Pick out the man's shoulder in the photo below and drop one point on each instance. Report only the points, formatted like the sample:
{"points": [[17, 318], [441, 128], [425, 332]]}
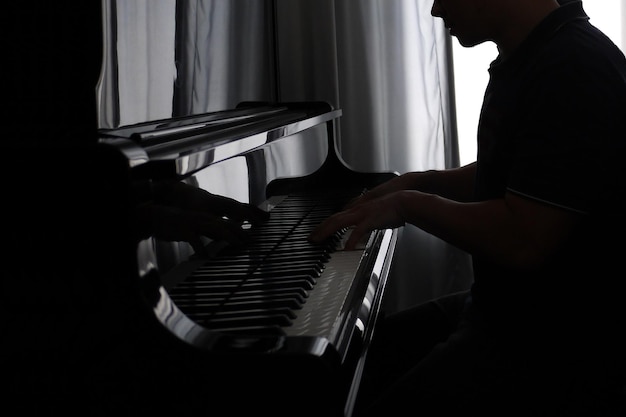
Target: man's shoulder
{"points": [[582, 44]]}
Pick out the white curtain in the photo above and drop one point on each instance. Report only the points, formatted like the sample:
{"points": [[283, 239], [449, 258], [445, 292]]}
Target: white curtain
{"points": [[396, 92], [167, 58], [137, 81], [223, 54], [394, 85]]}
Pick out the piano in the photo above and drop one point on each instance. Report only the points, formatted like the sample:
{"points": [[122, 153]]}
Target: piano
{"points": [[275, 324], [104, 318]]}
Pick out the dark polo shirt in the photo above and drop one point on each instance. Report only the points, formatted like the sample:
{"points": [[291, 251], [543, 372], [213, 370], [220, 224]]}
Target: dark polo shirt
{"points": [[553, 129]]}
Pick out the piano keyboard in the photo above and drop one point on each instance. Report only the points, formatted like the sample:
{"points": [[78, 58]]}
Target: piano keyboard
{"points": [[267, 285]]}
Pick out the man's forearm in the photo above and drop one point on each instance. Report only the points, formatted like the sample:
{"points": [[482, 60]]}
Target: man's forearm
{"points": [[456, 183]]}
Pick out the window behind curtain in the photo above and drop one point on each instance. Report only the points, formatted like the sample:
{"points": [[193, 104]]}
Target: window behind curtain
{"points": [[471, 77]]}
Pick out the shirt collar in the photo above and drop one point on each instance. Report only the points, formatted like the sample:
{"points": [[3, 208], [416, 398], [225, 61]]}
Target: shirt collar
{"points": [[569, 10]]}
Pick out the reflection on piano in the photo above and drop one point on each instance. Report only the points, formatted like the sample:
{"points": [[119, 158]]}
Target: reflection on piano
{"points": [[275, 324]]}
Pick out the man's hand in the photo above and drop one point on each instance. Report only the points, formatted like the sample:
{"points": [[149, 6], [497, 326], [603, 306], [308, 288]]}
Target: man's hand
{"points": [[182, 212], [364, 215]]}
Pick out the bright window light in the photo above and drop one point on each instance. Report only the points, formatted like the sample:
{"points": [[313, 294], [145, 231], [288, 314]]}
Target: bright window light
{"points": [[471, 64]]}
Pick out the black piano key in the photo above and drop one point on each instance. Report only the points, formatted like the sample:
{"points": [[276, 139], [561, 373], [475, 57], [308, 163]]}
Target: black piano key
{"points": [[201, 293], [255, 252], [310, 256], [253, 283], [304, 283], [256, 256], [277, 270], [310, 275]]}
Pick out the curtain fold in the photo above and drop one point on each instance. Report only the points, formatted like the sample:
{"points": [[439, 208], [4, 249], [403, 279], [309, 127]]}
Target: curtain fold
{"points": [[396, 92], [223, 54], [394, 86], [167, 58], [138, 71]]}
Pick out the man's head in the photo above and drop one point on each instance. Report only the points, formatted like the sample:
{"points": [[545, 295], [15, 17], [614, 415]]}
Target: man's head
{"points": [[468, 20], [505, 22]]}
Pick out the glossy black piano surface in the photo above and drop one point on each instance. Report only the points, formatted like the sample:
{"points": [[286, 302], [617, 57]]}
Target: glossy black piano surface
{"points": [[275, 323], [98, 319]]}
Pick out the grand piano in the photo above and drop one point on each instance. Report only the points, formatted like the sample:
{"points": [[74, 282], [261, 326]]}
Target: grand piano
{"points": [[105, 315], [275, 323]]}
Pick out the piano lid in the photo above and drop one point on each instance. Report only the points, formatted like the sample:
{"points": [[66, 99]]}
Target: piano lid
{"points": [[178, 147]]}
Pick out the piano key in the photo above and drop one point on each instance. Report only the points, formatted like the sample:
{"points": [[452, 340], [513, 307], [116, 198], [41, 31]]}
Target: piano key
{"points": [[199, 293], [276, 271], [304, 281], [265, 295], [256, 285]]}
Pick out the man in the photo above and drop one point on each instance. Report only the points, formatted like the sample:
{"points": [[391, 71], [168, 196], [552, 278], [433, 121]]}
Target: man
{"points": [[542, 214]]}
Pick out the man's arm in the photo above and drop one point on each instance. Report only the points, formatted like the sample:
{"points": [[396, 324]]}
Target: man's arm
{"points": [[456, 184], [515, 231]]}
